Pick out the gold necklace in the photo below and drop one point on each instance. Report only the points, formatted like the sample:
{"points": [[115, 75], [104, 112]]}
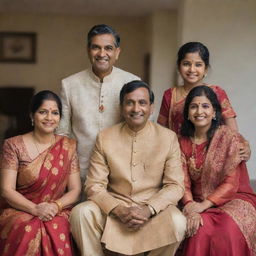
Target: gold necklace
{"points": [[193, 170], [36, 145]]}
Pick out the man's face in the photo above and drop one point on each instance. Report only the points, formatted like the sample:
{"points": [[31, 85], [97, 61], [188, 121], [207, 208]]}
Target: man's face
{"points": [[136, 108], [103, 54]]}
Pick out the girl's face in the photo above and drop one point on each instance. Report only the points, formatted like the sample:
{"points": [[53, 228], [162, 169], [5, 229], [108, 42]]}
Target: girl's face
{"points": [[192, 69]]}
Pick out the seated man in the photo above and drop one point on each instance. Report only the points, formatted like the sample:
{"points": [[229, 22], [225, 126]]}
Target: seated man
{"points": [[134, 182]]}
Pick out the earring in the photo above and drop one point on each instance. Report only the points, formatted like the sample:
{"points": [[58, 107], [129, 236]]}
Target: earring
{"points": [[32, 122], [205, 75], [214, 118], [188, 118]]}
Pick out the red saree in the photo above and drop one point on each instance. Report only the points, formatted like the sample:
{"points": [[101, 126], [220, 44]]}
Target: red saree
{"points": [[171, 111], [230, 226], [40, 180]]}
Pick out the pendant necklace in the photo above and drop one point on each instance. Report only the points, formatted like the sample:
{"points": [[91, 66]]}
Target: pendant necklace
{"points": [[37, 146]]}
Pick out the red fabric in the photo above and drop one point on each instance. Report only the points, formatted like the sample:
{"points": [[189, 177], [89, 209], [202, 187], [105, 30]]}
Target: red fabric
{"points": [[25, 234], [171, 111], [219, 236], [230, 228]]}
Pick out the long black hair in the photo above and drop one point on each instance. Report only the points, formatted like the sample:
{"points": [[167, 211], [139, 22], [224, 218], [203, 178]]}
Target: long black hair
{"points": [[188, 128]]}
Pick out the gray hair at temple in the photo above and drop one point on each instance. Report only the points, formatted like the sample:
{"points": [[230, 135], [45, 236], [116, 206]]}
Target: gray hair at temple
{"points": [[100, 30], [132, 86]]}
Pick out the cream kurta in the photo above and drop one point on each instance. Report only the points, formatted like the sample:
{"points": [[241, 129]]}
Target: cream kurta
{"points": [[137, 168], [82, 94]]}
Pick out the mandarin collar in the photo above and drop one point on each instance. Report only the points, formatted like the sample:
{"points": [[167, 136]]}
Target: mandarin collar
{"points": [[140, 132], [107, 78]]}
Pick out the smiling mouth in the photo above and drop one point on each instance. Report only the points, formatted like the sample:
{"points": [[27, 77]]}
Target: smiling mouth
{"points": [[199, 118]]}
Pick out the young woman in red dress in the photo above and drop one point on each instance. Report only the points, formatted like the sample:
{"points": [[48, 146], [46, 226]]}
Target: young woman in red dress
{"points": [[193, 65], [219, 203]]}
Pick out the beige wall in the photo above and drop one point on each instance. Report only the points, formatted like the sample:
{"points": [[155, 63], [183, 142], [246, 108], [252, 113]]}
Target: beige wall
{"points": [[228, 28], [163, 54], [61, 47]]}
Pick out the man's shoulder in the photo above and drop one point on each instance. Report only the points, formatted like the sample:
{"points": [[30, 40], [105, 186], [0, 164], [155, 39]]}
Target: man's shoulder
{"points": [[125, 75], [163, 131], [77, 76], [111, 131]]}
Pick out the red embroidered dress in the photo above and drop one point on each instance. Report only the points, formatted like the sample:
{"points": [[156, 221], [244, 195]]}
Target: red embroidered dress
{"points": [[42, 179], [171, 111], [229, 228]]}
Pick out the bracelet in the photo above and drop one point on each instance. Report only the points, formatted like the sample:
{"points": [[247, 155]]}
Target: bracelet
{"points": [[59, 204]]}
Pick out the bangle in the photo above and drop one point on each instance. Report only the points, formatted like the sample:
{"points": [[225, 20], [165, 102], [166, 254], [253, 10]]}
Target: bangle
{"points": [[59, 204]]}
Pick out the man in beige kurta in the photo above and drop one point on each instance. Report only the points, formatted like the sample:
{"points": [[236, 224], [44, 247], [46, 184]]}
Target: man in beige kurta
{"points": [[134, 182], [90, 97]]}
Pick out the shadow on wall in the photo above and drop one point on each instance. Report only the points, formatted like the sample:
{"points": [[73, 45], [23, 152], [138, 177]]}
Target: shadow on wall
{"points": [[253, 184], [14, 106]]}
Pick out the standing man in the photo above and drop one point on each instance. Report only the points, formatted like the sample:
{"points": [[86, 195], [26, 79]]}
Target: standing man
{"points": [[133, 185], [90, 97]]}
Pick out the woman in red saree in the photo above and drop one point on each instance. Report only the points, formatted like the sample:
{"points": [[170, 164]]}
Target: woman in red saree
{"points": [[219, 203], [193, 64], [39, 183]]}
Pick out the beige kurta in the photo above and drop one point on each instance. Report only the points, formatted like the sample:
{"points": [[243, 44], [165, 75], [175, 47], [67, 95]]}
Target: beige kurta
{"points": [[137, 168], [82, 94]]}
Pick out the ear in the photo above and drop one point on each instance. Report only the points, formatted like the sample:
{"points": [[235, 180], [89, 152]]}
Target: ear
{"points": [[118, 50], [152, 108]]}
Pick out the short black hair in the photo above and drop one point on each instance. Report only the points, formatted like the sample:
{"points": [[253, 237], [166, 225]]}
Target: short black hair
{"points": [[192, 47], [187, 128], [132, 86], [38, 99], [100, 30]]}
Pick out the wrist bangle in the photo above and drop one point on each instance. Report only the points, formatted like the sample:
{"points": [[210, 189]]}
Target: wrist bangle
{"points": [[59, 204]]}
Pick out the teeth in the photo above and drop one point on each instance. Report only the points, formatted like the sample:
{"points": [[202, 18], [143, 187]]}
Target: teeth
{"points": [[199, 117]]}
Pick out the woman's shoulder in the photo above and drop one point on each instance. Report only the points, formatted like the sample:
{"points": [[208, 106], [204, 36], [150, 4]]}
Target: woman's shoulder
{"points": [[185, 144], [168, 92], [65, 137], [227, 134], [216, 88], [67, 140], [15, 141]]}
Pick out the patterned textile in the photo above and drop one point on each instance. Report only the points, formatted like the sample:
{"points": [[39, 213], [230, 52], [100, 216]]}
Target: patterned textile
{"points": [[171, 111], [42, 179], [224, 181]]}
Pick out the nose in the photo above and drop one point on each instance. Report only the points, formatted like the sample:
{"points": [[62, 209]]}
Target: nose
{"points": [[101, 52], [192, 68], [199, 109], [48, 116], [136, 107]]}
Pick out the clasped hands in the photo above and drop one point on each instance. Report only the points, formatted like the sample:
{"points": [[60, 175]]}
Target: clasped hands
{"points": [[133, 217], [192, 212], [46, 211]]}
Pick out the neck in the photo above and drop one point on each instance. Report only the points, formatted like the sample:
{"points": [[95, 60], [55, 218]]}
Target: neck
{"points": [[43, 138], [189, 86], [200, 134], [101, 75]]}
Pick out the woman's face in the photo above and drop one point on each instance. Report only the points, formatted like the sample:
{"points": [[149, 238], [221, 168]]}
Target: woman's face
{"points": [[47, 117], [201, 112], [192, 69]]}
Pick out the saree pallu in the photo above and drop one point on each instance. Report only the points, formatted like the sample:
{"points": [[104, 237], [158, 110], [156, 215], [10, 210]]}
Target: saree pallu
{"points": [[171, 111], [24, 234], [229, 228]]}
